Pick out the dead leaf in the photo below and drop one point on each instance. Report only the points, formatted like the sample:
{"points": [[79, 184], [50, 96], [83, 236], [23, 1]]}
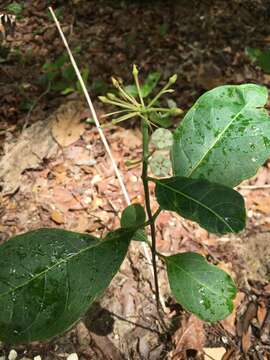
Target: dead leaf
{"points": [[214, 353], [246, 340], [261, 313], [83, 335], [64, 200], [33, 146], [209, 76], [244, 323], [190, 335], [229, 323], [57, 217], [263, 205], [67, 126]]}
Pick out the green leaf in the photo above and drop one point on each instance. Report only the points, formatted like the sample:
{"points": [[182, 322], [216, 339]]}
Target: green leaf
{"points": [[85, 75], [162, 139], [163, 29], [163, 120], [262, 58], [253, 53], [225, 136], [147, 87], [131, 90], [67, 90], [133, 216], [200, 287], [61, 61], [49, 278], [15, 8], [150, 83], [68, 73], [99, 87], [160, 163], [140, 235], [217, 208]]}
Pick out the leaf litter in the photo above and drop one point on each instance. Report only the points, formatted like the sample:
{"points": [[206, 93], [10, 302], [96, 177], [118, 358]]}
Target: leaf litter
{"points": [[61, 177]]}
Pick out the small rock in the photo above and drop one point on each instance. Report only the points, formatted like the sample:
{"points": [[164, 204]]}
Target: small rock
{"points": [[12, 355], [73, 356], [38, 357]]}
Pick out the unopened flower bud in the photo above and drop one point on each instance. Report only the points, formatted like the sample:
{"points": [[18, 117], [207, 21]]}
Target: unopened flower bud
{"points": [[135, 70], [111, 96], [115, 83], [173, 79], [103, 99], [176, 111]]}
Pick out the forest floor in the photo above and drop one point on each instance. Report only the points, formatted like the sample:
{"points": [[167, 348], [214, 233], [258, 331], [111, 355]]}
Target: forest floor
{"points": [[55, 172]]}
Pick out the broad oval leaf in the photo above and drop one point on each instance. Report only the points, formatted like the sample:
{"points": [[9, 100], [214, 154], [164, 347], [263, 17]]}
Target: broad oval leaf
{"points": [[225, 136], [49, 278], [133, 216], [201, 288], [217, 208], [140, 235]]}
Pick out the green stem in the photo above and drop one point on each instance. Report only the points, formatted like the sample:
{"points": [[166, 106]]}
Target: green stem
{"points": [[151, 217], [162, 91], [154, 217], [135, 75]]}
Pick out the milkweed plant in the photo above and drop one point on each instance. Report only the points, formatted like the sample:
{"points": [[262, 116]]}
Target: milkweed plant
{"points": [[50, 277]]}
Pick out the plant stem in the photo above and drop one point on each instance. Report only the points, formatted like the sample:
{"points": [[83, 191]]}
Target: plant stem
{"points": [[151, 218]]}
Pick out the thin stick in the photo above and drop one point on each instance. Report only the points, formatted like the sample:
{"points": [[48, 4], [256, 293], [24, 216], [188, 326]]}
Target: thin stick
{"points": [[101, 134], [92, 109], [253, 187]]}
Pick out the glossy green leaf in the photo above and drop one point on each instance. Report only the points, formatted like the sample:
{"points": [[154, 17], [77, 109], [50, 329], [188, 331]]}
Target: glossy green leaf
{"points": [[217, 208], [201, 288], [225, 136], [49, 278], [133, 216], [140, 235]]}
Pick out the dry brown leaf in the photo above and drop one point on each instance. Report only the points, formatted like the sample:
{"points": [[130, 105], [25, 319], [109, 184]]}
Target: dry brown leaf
{"points": [[83, 335], [261, 313], [57, 217], [67, 126], [229, 322], [244, 323], [209, 76], [214, 353], [190, 335], [246, 340], [263, 205], [64, 200], [33, 146]]}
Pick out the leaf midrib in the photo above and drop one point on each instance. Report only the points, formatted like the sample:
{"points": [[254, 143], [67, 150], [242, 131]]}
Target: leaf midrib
{"points": [[50, 268], [196, 201], [216, 141], [196, 280]]}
